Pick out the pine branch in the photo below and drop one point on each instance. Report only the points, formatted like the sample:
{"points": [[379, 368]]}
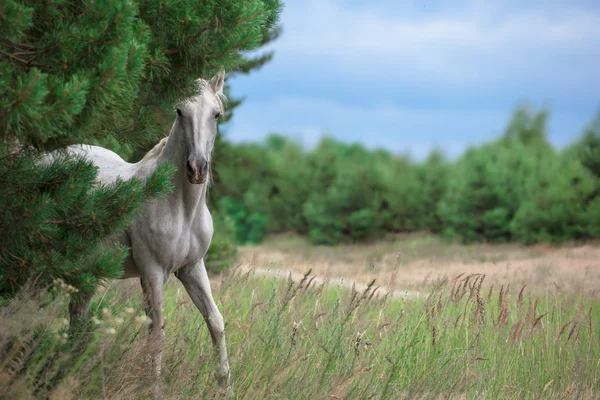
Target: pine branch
{"points": [[211, 26], [14, 57], [24, 53], [230, 50], [176, 50], [249, 18]]}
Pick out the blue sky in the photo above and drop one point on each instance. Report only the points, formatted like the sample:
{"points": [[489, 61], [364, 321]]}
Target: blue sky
{"points": [[411, 76]]}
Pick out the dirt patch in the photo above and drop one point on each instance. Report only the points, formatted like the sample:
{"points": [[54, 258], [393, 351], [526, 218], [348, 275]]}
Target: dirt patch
{"points": [[417, 263]]}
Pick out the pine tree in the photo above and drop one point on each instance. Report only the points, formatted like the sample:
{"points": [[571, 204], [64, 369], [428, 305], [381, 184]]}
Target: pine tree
{"points": [[101, 72], [222, 150]]}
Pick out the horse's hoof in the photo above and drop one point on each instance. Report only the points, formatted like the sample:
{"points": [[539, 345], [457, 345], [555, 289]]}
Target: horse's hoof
{"points": [[223, 377], [226, 389], [158, 392]]}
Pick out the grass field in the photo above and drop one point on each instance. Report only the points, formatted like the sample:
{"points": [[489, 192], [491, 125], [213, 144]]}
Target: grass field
{"points": [[422, 261], [303, 340]]}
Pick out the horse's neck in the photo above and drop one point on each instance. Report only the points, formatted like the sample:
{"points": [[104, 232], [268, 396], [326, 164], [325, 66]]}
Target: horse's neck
{"points": [[189, 196]]}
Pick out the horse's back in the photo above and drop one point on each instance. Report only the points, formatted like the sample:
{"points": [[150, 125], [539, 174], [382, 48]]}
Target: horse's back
{"points": [[110, 165]]}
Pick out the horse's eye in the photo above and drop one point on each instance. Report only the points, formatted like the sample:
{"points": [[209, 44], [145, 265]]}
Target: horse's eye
{"points": [[217, 115], [179, 112]]}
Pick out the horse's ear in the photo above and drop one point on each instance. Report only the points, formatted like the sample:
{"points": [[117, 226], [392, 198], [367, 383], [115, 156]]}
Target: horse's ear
{"points": [[218, 81]]}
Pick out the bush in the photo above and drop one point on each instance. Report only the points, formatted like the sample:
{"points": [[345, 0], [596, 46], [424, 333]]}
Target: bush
{"points": [[341, 207], [555, 207], [483, 193], [248, 227], [488, 184]]}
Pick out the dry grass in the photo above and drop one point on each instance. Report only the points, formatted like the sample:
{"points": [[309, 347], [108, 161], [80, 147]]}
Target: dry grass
{"points": [[469, 336], [421, 261]]}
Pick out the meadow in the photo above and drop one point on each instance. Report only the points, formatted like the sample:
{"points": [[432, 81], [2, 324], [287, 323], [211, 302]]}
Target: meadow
{"points": [[372, 308], [313, 339], [420, 261]]}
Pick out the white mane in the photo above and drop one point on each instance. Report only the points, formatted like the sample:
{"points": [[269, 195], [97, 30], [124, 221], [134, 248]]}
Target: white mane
{"points": [[154, 152]]}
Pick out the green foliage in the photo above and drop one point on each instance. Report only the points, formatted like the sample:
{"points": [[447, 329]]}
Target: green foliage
{"points": [[484, 192], [491, 183], [556, 205], [517, 187], [94, 70], [589, 148], [107, 73], [53, 226], [249, 226]]}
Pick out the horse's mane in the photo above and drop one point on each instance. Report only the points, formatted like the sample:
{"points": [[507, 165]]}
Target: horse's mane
{"points": [[154, 152], [220, 98]]}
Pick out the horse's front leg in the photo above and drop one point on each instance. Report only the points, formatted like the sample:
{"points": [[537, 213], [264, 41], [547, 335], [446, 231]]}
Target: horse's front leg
{"points": [[152, 286], [196, 283]]}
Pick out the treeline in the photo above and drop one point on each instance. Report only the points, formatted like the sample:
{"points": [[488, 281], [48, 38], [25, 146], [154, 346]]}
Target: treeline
{"points": [[516, 188]]}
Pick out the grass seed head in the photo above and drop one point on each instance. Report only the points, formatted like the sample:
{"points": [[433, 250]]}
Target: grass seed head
{"points": [[294, 333]]}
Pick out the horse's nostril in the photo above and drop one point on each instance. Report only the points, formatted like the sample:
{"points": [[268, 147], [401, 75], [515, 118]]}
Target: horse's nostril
{"points": [[190, 168]]}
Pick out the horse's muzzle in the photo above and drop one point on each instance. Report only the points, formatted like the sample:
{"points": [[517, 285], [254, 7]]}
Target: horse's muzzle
{"points": [[197, 170]]}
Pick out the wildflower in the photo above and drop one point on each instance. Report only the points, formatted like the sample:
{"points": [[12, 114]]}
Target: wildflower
{"points": [[119, 320], [96, 321], [64, 335], [129, 310], [65, 321], [110, 331]]}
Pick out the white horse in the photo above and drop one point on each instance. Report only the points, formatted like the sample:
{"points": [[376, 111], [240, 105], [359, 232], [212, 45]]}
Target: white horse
{"points": [[173, 234]]}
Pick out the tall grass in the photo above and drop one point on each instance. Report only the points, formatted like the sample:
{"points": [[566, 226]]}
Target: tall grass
{"points": [[298, 340]]}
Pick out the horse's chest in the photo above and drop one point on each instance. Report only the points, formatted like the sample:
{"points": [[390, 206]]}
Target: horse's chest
{"points": [[176, 244]]}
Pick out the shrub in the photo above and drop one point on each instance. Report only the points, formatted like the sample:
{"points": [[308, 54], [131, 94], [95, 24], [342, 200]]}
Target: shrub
{"points": [[248, 227], [555, 207]]}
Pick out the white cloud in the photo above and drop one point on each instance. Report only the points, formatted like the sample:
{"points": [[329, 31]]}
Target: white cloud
{"points": [[467, 67], [476, 44]]}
